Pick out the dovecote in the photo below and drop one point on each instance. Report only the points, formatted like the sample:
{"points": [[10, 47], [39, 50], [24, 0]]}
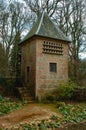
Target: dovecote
{"points": [[52, 48]]}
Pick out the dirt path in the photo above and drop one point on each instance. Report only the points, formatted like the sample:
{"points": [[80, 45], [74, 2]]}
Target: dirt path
{"points": [[29, 113]]}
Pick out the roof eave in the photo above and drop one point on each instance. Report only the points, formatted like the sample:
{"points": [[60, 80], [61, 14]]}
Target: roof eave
{"points": [[43, 37]]}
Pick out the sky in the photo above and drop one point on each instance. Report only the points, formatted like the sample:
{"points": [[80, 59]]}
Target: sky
{"points": [[82, 55]]}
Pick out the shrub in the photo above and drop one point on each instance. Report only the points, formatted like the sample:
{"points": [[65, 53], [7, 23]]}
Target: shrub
{"points": [[50, 97], [65, 90], [7, 106], [60, 104]]}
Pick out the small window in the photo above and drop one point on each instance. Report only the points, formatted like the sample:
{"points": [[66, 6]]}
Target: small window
{"points": [[53, 67]]}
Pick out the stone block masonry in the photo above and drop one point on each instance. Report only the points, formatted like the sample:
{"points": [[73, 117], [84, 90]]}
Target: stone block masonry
{"points": [[45, 80]]}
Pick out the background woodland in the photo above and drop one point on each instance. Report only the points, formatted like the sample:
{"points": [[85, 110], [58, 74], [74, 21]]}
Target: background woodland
{"points": [[17, 18]]}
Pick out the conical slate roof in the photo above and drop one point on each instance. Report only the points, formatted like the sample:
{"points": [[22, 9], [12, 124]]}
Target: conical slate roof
{"points": [[46, 28]]}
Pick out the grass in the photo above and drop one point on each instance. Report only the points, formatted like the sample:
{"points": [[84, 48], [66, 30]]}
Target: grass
{"points": [[50, 106]]}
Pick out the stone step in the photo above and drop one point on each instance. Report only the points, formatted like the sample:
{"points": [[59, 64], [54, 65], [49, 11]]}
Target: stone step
{"points": [[24, 91], [25, 94], [28, 98]]}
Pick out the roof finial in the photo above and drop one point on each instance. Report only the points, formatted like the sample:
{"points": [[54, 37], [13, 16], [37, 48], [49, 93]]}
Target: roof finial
{"points": [[45, 6]]}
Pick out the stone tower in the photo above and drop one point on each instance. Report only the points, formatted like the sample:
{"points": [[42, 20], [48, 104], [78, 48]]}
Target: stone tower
{"points": [[44, 59]]}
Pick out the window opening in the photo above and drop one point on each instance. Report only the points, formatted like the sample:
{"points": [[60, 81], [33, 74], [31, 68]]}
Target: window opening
{"points": [[53, 67]]}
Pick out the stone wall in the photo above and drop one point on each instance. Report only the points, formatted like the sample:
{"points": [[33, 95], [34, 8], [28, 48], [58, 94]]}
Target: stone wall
{"points": [[41, 80], [80, 94], [29, 60], [45, 80]]}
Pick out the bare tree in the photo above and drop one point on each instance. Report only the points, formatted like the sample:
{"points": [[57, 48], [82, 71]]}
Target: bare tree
{"points": [[13, 21], [2, 61], [76, 30], [38, 6], [69, 17]]}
